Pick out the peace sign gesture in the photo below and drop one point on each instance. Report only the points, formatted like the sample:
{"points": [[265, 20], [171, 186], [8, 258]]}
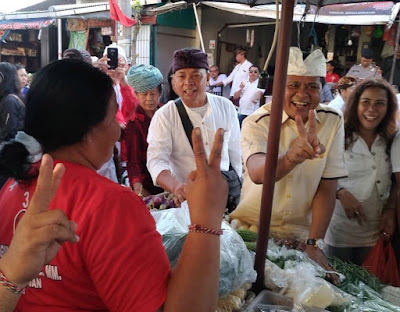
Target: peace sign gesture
{"points": [[40, 232], [206, 188], [306, 145]]}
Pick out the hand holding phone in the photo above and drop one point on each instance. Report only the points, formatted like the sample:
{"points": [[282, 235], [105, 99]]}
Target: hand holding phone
{"points": [[112, 54]]}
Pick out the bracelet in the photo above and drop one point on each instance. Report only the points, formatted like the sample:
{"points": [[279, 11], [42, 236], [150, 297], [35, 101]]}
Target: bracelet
{"points": [[201, 229], [287, 157], [10, 286]]}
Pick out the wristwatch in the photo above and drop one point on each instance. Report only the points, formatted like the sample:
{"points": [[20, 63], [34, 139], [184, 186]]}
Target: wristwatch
{"points": [[317, 243]]}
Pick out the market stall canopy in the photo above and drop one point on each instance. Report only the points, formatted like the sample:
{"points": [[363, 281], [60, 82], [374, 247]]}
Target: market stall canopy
{"points": [[36, 23], [368, 13]]}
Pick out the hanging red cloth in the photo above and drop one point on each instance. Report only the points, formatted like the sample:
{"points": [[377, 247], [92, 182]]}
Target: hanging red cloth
{"points": [[117, 15]]}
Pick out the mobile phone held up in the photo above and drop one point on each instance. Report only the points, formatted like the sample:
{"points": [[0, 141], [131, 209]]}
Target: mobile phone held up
{"points": [[112, 54]]}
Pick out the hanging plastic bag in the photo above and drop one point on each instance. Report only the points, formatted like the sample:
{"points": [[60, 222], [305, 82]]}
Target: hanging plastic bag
{"points": [[381, 261]]}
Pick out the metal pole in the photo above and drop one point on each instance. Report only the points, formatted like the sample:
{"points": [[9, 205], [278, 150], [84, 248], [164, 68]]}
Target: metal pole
{"points": [[274, 134], [395, 53], [59, 38], [198, 27]]}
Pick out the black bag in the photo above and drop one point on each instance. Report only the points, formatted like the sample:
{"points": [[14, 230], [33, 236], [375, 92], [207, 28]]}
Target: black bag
{"points": [[234, 182]]}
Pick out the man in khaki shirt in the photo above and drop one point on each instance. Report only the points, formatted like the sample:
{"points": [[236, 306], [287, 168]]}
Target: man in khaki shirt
{"points": [[310, 159]]}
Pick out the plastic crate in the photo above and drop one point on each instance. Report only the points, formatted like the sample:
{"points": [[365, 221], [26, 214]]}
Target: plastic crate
{"points": [[268, 301]]}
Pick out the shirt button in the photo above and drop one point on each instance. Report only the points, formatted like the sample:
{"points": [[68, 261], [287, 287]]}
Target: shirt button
{"points": [[351, 156], [373, 153], [373, 167], [379, 181], [288, 196], [206, 143]]}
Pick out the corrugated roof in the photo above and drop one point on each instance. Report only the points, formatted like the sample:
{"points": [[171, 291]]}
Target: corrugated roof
{"points": [[44, 6]]}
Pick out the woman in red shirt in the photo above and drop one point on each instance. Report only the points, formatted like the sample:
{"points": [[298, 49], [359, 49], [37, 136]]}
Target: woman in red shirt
{"points": [[146, 80]]}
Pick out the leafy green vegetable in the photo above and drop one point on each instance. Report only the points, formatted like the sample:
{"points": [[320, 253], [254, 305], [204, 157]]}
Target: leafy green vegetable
{"points": [[247, 236], [355, 274]]}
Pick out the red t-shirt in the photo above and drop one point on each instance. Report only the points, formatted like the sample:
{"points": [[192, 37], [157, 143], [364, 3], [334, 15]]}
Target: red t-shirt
{"points": [[332, 78], [119, 264]]}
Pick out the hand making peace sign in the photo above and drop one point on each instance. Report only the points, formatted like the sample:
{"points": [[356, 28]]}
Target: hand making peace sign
{"points": [[306, 145]]}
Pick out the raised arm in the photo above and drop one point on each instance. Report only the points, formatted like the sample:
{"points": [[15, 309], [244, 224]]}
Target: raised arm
{"points": [[193, 285], [305, 146]]}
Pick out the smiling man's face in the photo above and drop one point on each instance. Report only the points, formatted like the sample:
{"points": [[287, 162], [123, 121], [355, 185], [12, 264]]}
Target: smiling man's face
{"points": [[190, 84], [302, 93]]}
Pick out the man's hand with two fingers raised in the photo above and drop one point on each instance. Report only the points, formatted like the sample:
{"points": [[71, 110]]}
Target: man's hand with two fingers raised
{"points": [[306, 145]]}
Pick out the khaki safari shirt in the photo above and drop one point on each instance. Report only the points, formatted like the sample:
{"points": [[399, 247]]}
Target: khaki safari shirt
{"points": [[295, 192]]}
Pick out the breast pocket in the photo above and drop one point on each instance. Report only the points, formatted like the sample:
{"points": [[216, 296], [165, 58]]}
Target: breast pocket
{"points": [[361, 174]]}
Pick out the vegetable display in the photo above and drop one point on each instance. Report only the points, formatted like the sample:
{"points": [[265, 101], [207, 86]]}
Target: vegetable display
{"points": [[160, 201], [290, 272]]}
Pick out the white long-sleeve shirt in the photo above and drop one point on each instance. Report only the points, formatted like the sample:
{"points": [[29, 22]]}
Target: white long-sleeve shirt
{"points": [[239, 74], [169, 147], [246, 104]]}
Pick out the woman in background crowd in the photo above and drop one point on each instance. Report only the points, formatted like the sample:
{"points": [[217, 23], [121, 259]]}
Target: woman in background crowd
{"points": [[146, 81], [119, 263], [12, 108], [361, 213], [23, 78], [345, 86]]}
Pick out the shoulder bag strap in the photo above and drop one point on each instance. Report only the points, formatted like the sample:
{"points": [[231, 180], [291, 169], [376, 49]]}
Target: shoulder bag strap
{"points": [[187, 124]]}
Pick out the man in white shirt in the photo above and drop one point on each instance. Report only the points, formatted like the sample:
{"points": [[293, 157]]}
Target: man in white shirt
{"points": [[240, 72], [215, 78], [249, 94], [170, 156]]}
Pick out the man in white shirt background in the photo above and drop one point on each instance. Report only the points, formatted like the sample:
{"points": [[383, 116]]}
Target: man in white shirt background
{"points": [[170, 156], [215, 78], [239, 74], [249, 94]]}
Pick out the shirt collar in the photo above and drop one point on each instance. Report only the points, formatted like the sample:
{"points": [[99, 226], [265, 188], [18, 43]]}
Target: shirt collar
{"points": [[360, 147]]}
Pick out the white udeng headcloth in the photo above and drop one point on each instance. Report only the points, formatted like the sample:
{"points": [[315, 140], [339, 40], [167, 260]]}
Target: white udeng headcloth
{"points": [[314, 65]]}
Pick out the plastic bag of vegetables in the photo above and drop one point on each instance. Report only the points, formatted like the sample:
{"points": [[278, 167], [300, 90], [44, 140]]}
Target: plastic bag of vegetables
{"points": [[236, 263]]}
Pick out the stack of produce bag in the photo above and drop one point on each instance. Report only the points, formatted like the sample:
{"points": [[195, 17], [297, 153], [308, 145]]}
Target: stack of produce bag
{"points": [[291, 273], [236, 263]]}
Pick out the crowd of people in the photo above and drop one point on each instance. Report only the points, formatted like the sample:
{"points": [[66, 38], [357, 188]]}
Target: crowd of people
{"points": [[334, 189]]}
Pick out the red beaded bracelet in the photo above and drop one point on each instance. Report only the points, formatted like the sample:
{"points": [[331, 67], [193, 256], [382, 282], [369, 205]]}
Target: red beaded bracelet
{"points": [[201, 229], [10, 286]]}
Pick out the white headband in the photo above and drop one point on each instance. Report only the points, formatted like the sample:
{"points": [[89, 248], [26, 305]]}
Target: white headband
{"points": [[314, 65]]}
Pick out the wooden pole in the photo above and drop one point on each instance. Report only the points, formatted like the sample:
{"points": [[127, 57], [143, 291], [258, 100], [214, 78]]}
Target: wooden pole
{"points": [[278, 93]]}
